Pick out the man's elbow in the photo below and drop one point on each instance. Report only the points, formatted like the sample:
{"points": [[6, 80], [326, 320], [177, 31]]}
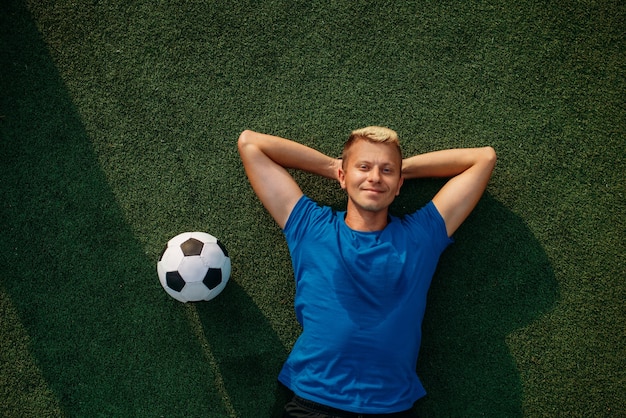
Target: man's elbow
{"points": [[245, 138], [489, 156]]}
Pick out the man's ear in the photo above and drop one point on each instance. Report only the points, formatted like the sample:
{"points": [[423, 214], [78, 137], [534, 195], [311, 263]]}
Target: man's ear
{"points": [[341, 176], [400, 183]]}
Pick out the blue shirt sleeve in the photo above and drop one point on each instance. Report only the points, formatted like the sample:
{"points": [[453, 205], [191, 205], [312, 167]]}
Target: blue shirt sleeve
{"points": [[430, 221], [305, 212]]}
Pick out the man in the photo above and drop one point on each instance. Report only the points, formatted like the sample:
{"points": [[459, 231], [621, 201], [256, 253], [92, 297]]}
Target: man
{"points": [[361, 275]]}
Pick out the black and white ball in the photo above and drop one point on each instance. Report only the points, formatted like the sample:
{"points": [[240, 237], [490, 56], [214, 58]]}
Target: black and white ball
{"points": [[194, 266]]}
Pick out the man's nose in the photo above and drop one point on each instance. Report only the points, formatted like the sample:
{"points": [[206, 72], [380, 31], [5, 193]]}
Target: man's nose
{"points": [[374, 175]]}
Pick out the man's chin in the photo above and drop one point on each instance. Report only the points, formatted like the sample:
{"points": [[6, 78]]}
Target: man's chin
{"points": [[372, 206]]}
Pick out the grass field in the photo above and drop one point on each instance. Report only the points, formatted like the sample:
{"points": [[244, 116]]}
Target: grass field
{"points": [[118, 128]]}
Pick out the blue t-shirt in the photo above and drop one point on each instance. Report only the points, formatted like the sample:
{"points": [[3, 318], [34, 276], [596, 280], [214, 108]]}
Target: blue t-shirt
{"points": [[360, 298]]}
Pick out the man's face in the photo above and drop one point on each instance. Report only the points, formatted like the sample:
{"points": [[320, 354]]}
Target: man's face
{"points": [[371, 175]]}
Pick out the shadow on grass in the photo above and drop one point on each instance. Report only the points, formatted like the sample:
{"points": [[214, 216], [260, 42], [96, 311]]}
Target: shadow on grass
{"points": [[105, 337], [495, 280], [246, 351]]}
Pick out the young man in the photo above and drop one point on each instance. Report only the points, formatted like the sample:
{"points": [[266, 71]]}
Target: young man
{"points": [[361, 275]]}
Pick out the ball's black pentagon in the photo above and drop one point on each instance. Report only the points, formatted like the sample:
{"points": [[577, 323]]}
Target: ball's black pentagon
{"points": [[191, 247], [174, 280], [213, 278], [223, 247]]}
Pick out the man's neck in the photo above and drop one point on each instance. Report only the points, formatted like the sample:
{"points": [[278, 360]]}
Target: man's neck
{"points": [[362, 220]]}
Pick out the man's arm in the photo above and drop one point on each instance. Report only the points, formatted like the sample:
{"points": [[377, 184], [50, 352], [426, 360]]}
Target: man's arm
{"points": [[266, 159], [469, 169]]}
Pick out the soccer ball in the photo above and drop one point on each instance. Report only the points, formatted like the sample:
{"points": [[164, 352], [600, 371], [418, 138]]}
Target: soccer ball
{"points": [[194, 266]]}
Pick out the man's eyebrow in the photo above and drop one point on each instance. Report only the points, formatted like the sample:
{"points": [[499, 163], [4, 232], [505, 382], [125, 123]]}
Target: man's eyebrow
{"points": [[383, 163]]}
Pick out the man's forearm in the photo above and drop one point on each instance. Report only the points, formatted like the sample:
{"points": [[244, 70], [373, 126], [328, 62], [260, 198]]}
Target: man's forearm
{"points": [[290, 154], [445, 163]]}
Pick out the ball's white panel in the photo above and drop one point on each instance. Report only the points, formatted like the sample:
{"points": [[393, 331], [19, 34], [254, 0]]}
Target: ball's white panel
{"points": [[171, 258], [212, 255], [194, 292], [192, 269], [226, 269], [176, 295]]}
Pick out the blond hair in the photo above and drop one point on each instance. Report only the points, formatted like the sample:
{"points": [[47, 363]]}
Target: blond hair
{"points": [[373, 134]]}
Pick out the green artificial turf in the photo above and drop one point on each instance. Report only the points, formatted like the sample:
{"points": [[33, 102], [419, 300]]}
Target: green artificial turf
{"points": [[118, 128]]}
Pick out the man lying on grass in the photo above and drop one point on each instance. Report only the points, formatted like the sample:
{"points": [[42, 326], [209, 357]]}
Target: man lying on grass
{"points": [[361, 275]]}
